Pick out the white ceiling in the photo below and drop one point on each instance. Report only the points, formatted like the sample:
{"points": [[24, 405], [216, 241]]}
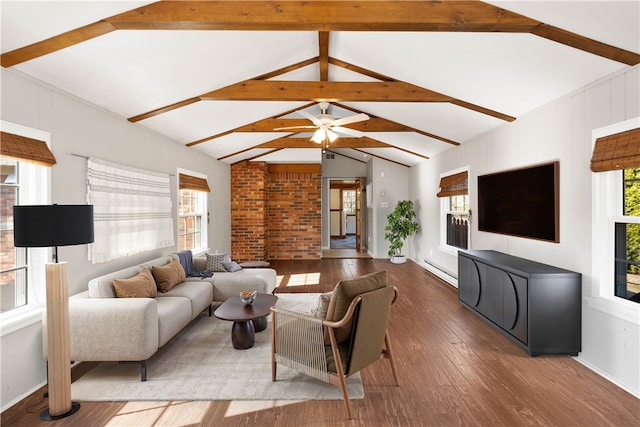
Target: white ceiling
{"points": [[131, 72]]}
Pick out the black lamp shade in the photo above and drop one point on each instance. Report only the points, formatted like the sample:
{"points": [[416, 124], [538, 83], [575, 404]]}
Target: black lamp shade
{"points": [[52, 225]]}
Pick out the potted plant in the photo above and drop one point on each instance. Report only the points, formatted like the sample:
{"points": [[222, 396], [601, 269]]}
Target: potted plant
{"points": [[401, 224]]}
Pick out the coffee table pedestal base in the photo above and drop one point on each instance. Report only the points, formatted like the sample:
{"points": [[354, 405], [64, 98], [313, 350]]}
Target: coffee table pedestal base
{"points": [[243, 335]]}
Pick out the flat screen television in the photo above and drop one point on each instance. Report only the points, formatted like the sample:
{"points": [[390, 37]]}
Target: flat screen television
{"points": [[521, 202]]}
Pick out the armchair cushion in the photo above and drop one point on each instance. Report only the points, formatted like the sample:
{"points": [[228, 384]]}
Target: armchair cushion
{"points": [[345, 291]]}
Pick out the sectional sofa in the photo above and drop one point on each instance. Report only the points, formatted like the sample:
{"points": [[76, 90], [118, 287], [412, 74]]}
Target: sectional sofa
{"points": [[104, 326]]}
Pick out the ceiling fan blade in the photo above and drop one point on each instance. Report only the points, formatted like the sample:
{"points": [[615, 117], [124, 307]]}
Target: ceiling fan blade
{"points": [[296, 127], [347, 131], [313, 119], [351, 119]]}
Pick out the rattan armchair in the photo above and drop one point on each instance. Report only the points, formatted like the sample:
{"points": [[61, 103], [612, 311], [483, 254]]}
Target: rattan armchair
{"points": [[352, 337]]}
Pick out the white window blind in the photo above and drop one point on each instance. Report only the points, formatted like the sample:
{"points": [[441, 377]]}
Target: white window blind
{"points": [[131, 208]]}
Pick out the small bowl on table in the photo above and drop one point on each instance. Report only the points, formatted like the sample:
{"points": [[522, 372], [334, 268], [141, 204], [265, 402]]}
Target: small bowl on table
{"points": [[248, 297]]}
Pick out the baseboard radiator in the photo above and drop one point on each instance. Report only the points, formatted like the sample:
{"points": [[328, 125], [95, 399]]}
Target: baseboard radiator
{"points": [[442, 273]]}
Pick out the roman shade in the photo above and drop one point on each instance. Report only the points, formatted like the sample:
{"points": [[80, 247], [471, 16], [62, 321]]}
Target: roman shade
{"points": [[454, 185], [188, 182], [617, 151], [26, 149]]}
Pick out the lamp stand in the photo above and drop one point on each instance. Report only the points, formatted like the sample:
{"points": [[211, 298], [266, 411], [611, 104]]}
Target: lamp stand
{"points": [[58, 345]]}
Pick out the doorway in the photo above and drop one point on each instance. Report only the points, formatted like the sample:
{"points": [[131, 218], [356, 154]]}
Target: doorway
{"points": [[345, 214]]}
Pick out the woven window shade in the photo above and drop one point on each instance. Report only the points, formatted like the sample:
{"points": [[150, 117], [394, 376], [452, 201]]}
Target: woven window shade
{"points": [[454, 185], [617, 151], [188, 182], [26, 149]]}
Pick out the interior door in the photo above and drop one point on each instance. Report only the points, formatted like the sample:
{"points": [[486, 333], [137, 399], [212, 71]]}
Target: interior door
{"points": [[359, 224]]}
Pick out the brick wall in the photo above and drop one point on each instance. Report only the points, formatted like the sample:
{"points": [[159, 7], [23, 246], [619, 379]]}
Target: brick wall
{"points": [[275, 211], [7, 252], [295, 212], [248, 211]]}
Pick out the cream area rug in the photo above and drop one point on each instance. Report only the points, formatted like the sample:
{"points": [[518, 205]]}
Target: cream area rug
{"points": [[200, 363]]}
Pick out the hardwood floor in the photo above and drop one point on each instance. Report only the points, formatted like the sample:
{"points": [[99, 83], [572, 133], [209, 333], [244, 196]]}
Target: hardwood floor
{"points": [[453, 370]]}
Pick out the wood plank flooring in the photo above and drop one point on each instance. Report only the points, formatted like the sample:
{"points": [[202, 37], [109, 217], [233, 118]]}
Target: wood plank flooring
{"points": [[453, 368]]}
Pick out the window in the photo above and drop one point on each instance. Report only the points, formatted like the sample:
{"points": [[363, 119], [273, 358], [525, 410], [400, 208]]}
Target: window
{"points": [[627, 240], [456, 215], [190, 218], [192, 211], [454, 223], [23, 181], [615, 219], [349, 201]]}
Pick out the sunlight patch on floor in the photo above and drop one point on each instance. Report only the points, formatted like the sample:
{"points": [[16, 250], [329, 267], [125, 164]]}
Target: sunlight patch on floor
{"points": [[160, 414], [239, 407], [304, 279]]}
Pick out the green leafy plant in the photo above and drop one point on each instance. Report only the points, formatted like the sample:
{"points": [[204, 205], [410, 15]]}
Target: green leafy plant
{"points": [[401, 224]]}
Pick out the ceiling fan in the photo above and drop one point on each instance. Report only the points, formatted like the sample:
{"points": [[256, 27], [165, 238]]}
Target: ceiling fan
{"points": [[327, 127]]}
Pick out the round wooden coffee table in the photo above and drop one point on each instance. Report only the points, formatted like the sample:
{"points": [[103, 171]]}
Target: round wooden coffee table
{"points": [[247, 319]]}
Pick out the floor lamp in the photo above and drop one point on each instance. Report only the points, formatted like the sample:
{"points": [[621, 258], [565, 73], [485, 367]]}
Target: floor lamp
{"points": [[53, 226]]}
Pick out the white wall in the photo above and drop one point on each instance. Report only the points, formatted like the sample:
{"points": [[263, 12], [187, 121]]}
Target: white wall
{"points": [[389, 184], [77, 127], [559, 131]]}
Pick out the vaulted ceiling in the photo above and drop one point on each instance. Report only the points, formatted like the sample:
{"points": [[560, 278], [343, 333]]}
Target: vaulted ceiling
{"points": [[220, 76]]}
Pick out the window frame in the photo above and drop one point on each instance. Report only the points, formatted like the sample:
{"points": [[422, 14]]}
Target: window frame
{"points": [[35, 181], [203, 200], [445, 210], [607, 211]]}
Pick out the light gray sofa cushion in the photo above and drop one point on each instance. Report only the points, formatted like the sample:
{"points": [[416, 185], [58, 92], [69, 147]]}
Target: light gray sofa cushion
{"points": [[174, 313], [199, 292]]}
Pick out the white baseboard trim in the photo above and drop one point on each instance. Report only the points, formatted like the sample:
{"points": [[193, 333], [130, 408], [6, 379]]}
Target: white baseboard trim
{"points": [[607, 377]]}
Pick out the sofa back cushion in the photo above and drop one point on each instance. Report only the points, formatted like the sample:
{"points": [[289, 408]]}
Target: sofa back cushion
{"points": [[102, 287], [141, 285], [167, 276]]}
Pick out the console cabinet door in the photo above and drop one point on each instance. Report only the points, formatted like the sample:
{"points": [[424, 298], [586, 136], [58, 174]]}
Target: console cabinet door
{"points": [[515, 319], [468, 282], [493, 286]]}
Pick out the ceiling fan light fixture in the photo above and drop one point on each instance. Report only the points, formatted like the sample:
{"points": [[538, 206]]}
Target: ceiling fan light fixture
{"points": [[318, 136], [331, 135]]}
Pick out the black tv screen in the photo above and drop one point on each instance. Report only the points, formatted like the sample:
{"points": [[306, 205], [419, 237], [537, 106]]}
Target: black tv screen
{"points": [[521, 202]]}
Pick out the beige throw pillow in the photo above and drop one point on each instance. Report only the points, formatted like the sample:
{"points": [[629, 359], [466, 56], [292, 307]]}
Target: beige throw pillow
{"points": [[141, 285], [169, 275], [320, 309]]}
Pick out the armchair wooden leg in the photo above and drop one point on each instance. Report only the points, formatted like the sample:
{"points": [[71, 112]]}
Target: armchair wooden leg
{"points": [[389, 355], [340, 372]]}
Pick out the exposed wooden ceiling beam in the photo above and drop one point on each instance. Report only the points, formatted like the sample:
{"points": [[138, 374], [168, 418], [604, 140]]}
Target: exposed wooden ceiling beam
{"points": [[189, 101], [323, 54], [322, 16], [374, 124], [342, 142], [452, 100], [314, 15], [278, 90], [380, 157], [421, 132], [56, 43], [209, 138]]}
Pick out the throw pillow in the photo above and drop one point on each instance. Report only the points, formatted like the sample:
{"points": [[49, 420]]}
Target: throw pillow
{"points": [[169, 275], [320, 309], [214, 261], [231, 266], [139, 286]]}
